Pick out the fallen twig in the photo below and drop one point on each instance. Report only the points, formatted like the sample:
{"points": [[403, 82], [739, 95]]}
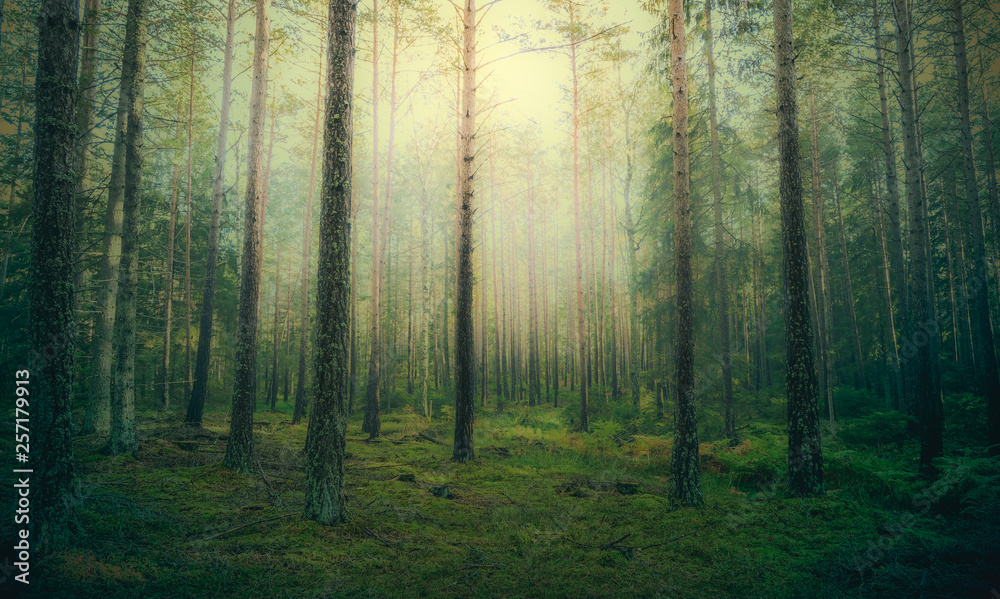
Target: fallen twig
{"points": [[225, 532]]}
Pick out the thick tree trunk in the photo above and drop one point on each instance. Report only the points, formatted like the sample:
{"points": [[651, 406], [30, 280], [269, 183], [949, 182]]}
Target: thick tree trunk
{"points": [[239, 448], [982, 333], [325, 497], [188, 374], [123, 437], [729, 421], [465, 375], [805, 459], [52, 324], [685, 477], [199, 389]]}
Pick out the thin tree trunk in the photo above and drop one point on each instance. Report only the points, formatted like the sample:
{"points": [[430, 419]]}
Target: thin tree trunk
{"points": [[465, 376], [861, 381], [987, 369], [922, 332], [580, 301], [123, 437], [272, 397], [199, 389], [729, 421], [188, 375], [239, 448], [822, 282], [372, 423], [534, 387], [168, 287], [300, 390], [893, 342], [893, 230]]}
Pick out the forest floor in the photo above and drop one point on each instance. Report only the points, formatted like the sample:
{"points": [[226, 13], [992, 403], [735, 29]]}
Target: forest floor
{"points": [[541, 512]]}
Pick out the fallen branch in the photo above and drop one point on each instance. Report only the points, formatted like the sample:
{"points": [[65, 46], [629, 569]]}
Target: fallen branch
{"points": [[225, 532], [424, 435], [670, 540]]}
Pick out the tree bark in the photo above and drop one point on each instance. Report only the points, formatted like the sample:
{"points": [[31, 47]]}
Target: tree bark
{"points": [[861, 382], [52, 323], [921, 335], [805, 459], [372, 423], [822, 282], [326, 501], [465, 374], [168, 287], [239, 448], [199, 389], [685, 476], [123, 437], [580, 301], [982, 334], [729, 421]]}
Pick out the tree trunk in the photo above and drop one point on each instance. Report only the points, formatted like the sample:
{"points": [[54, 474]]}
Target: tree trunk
{"points": [[239, 448], [861, 382], [98, 416], [685, 477], [805, 459], [822, 289], [52, 324], [199, 389], [372, 423], [123, 430], [272, 397], [187, 232], [300, 390], [325, 496], [534, 387], [168, 287], [465, 375], [894, 236], [729, 421], [982, 334], [922, 332], [887, 270], [580, 301]]}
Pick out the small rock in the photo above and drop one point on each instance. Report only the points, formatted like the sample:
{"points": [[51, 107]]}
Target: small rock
{"points": [[443, 492]]}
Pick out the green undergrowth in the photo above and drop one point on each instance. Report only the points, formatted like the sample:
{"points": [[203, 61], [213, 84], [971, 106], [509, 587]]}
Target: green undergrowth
{"points": [[543, 511]]}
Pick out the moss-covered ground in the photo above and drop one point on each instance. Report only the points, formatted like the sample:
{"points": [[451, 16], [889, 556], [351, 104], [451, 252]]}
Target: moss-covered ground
{"points": [[541, 512]]}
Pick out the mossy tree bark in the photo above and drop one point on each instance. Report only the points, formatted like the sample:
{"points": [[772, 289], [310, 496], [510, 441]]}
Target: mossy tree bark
{"points": [[326, 501], [199, 389], [465, 351], [239, 448], [52, 325], [685, 476], [805, 459], [123, 431]]}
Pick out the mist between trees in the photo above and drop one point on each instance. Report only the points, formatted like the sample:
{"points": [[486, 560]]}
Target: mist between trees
{"points": [[665, 252]]}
